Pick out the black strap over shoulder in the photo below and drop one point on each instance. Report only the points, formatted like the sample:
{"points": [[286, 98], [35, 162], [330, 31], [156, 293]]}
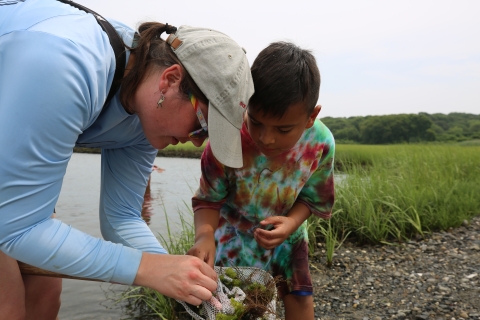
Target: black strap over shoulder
{"points": [[115, 41]]}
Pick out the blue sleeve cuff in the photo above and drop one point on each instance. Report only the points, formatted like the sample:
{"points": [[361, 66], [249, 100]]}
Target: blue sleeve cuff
{"points": [[127, 266]]}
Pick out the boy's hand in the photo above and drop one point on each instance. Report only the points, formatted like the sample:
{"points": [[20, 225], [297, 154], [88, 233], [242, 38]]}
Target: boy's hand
{"points": [[204, 248], [283, 227]]}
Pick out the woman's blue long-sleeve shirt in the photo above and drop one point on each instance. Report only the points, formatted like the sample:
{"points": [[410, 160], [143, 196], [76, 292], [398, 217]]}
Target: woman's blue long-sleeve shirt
{"points": [[56, 67]]}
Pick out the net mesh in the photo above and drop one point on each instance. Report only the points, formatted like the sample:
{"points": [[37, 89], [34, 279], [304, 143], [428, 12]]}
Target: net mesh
{"points": [[221, 301]]}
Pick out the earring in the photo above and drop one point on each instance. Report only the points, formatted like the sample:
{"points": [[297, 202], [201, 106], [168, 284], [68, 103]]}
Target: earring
{"points": [[162, 98]]}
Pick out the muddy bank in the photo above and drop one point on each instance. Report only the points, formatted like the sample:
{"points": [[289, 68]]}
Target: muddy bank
{"points": [[172, 153]]}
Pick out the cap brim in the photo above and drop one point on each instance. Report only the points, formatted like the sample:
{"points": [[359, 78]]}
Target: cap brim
{"points": [[225, 139]]}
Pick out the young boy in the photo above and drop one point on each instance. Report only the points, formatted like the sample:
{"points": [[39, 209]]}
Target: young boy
{"points": [[256, 215]]}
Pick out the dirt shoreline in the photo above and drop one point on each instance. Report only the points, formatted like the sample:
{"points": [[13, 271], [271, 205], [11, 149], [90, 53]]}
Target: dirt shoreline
{"points": [[433, 278]]}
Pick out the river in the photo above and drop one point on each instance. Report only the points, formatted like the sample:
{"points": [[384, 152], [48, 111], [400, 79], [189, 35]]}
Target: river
{"points": [[171, 189]]}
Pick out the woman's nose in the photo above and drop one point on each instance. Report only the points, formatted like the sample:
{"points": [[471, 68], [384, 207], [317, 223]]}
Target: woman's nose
{"points": [[198, 142]]}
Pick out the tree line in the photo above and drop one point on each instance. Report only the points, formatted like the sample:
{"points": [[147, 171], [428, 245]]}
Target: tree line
{"points": [[405, 128]]}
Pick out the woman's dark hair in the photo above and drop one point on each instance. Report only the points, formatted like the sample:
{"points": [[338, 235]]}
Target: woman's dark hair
{"points": [[284, 74], [150, 49]]}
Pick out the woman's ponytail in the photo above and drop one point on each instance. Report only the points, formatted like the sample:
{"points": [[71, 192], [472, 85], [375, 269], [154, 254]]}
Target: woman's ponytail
{"points": [[151, 50]]}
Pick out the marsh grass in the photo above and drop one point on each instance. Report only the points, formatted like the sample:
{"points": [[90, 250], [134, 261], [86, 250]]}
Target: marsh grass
{"points": [[179, 242], [185, 150], [475, 142], [397, 192], [333, 237]]}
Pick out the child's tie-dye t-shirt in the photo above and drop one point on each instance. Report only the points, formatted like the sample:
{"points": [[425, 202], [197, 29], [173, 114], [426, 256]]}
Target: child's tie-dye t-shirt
{"points": [[269, 187]]}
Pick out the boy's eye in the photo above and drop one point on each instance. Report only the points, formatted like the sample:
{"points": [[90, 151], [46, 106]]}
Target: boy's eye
{"points": [[285, 130], [254, 122]]}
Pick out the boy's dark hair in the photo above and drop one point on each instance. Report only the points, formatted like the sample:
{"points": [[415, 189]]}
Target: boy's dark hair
{"points": [[284, 74]]}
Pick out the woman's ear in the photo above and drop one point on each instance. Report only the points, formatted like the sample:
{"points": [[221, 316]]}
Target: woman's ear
{"points": [[171, 77], [313, 116]]}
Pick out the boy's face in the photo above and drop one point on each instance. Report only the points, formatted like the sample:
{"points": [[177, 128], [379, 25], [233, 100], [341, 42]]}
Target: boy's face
{"points": [[273, 135]]}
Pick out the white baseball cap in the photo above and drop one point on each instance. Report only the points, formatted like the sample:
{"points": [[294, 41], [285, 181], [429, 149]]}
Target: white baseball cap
{"points": [[220, 68]]}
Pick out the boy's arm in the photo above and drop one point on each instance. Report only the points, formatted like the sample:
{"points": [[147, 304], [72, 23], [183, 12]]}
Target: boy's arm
{"points": [[318, 193], [283, 226], [206, 222], [206, 204], [316, 197]]}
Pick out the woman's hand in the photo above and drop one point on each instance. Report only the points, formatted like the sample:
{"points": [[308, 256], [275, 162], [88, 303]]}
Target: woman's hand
{"points": [[283, 227], [204, 248], [184, 278]]}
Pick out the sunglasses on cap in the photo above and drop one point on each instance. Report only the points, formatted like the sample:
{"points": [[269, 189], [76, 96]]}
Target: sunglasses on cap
{"points": [[203, 131]]}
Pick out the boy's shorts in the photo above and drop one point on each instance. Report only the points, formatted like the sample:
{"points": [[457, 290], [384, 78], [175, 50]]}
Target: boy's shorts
{"points": [[299, 281]]}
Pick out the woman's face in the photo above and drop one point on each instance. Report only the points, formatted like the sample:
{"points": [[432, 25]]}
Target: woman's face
{"points": [[171, 122]]}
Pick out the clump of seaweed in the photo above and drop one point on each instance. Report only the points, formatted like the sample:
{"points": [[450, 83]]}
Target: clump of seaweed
{"points": [[259, 288]]}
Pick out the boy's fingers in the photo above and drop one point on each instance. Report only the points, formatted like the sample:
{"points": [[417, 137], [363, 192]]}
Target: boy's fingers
{"points": [[266, 243], [210, 260], [266, 221], [197, 253], [260, 239], [269, 234], [271, 220], [262, 233]]}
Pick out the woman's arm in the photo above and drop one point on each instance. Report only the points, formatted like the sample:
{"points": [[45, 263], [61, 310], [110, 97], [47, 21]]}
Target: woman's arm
{"points": [[38, 130], [125, 173]]}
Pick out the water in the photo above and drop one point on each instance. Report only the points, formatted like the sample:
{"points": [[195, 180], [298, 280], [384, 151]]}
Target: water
{"points": [[170, 192]]}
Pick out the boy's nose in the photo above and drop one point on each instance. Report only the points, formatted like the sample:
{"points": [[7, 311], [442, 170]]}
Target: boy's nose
{"points": [[267, 137]]}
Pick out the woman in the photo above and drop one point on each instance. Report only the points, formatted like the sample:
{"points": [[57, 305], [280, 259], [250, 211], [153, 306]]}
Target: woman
{"points": [[57, 67]]}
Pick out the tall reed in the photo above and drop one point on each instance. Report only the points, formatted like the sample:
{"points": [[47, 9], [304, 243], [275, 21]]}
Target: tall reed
{"points": [[394, 192]]}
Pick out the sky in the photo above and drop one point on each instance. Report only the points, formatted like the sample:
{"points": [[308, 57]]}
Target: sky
{"points": [[375, 57]]}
